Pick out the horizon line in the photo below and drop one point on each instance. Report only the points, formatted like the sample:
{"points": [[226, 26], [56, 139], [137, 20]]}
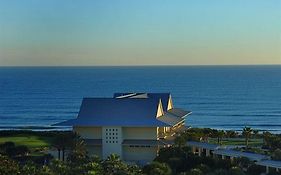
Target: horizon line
{"points": [[144, 65]]}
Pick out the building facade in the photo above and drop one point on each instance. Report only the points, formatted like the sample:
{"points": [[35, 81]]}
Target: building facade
{"points": [[132, 125]]}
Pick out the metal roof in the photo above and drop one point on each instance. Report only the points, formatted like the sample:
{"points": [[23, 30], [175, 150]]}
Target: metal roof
{"points": [[234, 153], [179, 112], [270, 163], [170, 119], [117, 112], [163, 96]]}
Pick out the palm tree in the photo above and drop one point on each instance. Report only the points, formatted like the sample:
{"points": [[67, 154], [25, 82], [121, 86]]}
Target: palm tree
{"points": [[247, 132], [266, 138], [114, 165], [255, 132], [78, 152], [156, 168], [62, 142], [221, 135], [58, 143]]}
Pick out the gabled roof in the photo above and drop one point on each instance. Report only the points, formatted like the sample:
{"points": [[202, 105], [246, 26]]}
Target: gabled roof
{"points": [[117, 112], [163, 96]]}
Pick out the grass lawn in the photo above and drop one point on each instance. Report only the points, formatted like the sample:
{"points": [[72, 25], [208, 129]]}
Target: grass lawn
{"points": [[237, 141], [28, 140]]}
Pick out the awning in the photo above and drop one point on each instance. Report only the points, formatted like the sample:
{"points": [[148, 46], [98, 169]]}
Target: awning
{"points": [[233, 153], [93, 141], [145, 142], [270, 163]]}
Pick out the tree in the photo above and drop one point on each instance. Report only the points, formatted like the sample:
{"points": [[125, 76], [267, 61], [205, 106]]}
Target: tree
{"points": [[58, 167], [8, 148], [180, 141], [255, 133], [230, 134], [21, 150], [243, 162], [236, 171], [29, 168], [219, 172], [266, 138], [113, 165], [58, 144], [220, 135], [247, 132], [195, 171], [276, 154], [62, 142], [255, 169], [156, 168]]}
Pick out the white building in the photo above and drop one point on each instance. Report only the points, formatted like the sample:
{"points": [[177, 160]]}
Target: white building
{"points": [[133, 125]]}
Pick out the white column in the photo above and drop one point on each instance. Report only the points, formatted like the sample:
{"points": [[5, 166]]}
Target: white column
{"points": [[199, 152], [193, 149], [267, 170], [222, 157], [207, 152]]}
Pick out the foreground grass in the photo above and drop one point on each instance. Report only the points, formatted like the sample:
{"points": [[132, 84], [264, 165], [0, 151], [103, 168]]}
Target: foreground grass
{"points": [[28, 140], [237, 141], [36, 144]]}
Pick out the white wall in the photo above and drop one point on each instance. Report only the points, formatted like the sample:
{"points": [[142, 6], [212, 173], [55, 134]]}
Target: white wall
{"points": [[88, 132], [94, 150], [139, 153], [148, 133], [111, 141]]}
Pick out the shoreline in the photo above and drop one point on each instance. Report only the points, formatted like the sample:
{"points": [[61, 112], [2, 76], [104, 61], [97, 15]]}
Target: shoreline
{"points": [[67, 128]]}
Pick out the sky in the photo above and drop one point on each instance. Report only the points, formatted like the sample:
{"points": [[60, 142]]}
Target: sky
{"points": [[144, 32]]}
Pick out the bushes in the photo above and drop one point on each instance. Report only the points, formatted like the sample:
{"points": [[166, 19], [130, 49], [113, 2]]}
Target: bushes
{"points": [[276, 154], [11, 150], [156, 168], [255, 169], [8, 166]]}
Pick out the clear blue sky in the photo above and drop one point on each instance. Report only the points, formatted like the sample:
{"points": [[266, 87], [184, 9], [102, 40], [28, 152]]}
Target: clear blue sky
{"points": [[144, 32]]}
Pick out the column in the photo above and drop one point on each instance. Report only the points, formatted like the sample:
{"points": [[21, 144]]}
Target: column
{"points": [[207, 153], [267, 169], [193, 149], [199, 152]]}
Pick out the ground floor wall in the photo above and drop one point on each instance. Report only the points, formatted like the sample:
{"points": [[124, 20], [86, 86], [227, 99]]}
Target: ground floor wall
{"points": [[129, 153], [139, 154], [95, 150]]}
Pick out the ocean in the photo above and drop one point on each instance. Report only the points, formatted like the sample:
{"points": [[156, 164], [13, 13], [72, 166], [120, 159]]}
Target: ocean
{"points": [[221, 97]]}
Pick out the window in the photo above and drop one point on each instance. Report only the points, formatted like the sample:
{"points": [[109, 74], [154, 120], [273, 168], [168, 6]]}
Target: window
{"points": [[111, 134]]}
